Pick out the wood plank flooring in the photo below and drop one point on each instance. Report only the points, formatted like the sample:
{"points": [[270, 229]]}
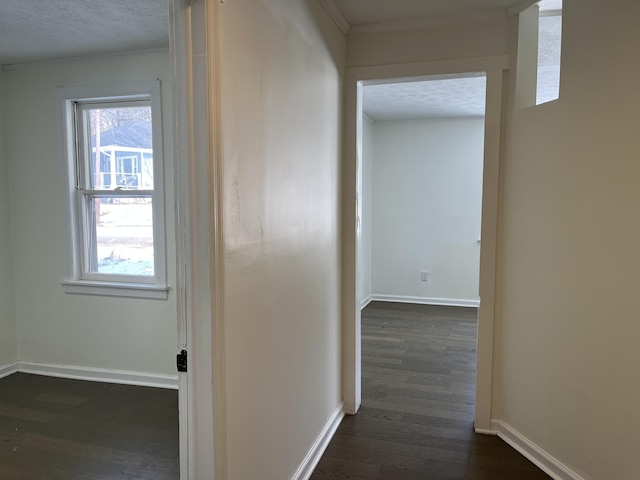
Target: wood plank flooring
{"points": [[416, 419], [59, 429]]}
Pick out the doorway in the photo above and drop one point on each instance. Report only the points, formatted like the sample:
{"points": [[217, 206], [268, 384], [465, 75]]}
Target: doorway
{"points": [[422, 152], [419, 248], [357, 79]]}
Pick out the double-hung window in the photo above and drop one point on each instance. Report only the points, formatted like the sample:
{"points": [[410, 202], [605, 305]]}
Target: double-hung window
{"points": [[114, 164]]}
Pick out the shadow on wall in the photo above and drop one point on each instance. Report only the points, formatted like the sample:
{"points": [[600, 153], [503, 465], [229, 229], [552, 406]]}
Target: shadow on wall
{"points": [[325, 25]]}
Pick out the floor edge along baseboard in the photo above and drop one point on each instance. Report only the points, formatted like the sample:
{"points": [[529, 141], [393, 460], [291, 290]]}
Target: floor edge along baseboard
{"points": [[308, 465], [6, 370], [99, 375], [366, 302], [447, 302], [537, 455]]}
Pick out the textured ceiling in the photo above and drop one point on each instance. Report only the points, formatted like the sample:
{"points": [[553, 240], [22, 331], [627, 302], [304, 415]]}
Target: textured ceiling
{"points": [[36, 30], [436, 97], [359, 12], [442, 97]]}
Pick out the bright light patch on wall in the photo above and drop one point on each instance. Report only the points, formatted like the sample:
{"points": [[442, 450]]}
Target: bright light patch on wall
{"points": [[549, 51]]}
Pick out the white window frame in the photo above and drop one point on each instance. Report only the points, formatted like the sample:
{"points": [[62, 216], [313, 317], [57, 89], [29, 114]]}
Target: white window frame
{"points": [[78, 281]]}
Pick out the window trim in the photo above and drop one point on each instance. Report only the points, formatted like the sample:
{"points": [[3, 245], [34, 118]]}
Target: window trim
{"points": [[75, 281]]}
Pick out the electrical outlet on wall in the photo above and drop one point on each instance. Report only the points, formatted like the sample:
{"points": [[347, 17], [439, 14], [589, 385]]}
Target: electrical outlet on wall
{"points": [[424, 276]]}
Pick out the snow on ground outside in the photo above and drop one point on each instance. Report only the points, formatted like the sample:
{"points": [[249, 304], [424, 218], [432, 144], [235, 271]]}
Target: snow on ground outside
{"points": [[125, 239]]}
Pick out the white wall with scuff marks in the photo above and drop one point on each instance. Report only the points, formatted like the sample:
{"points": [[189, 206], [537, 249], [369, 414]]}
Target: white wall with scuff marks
{"points": [[281, 64]]}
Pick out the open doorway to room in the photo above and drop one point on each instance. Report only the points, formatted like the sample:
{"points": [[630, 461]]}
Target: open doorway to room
{"points": [[413, 367], [422, 167], [357, 80], [419, 256]]}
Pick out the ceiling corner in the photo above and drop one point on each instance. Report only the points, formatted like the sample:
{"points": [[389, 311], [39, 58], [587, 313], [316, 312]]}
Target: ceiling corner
{"points": [[336, 15], [520, 7]]}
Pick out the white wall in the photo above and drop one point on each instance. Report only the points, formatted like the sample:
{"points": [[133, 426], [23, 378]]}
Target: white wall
{"points": [[427, 193], [281, 95], [54, 327], [8, 345], [465, 38], [568, 363], [365, 249]]}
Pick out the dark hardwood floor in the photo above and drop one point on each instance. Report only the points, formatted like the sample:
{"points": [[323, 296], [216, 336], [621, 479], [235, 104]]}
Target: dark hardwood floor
{"points": [[416, 419], [59, 429], [415, 423]]}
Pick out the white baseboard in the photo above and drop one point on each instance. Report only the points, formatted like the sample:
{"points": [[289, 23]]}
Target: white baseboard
{"points": [[100, 375], [546, 462], [320, 445], [6, 370], [483, 431], [449, 302], [366, 302]]}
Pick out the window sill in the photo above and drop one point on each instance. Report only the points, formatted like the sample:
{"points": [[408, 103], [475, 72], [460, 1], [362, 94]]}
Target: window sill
{"points": [[130, 290]]}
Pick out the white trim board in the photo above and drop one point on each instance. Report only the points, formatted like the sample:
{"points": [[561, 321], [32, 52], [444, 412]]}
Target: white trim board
{"points": [[366, 302], [312, 458], [450, 302], [539, 457], [397, 72], [6, 370], [99, 375]]}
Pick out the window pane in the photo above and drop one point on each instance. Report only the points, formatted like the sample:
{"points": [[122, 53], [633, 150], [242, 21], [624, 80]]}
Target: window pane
{"points": [[549, 53], [121, 148], [121, 241]]}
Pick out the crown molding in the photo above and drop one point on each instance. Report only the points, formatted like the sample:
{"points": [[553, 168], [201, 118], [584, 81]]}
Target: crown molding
{"points": [[430, 21], [60, 61], [336, 15]]}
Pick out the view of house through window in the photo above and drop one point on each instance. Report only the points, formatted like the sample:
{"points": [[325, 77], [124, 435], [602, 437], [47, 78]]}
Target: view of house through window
{"points": [[116, 188], [113, 151]]}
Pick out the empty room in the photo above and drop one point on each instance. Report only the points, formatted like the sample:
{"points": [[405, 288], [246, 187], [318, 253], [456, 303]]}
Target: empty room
{"points": [[88, 325]]}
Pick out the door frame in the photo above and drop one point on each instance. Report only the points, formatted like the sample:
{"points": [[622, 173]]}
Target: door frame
{"points": [[194, 32], [494, 67]]}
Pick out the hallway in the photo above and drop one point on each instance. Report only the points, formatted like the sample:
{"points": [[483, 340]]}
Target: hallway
{"points": [[416, 419]]}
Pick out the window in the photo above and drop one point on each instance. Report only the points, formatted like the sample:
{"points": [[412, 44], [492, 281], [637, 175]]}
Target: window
{"points": [[116, 216], [549, 50]]}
